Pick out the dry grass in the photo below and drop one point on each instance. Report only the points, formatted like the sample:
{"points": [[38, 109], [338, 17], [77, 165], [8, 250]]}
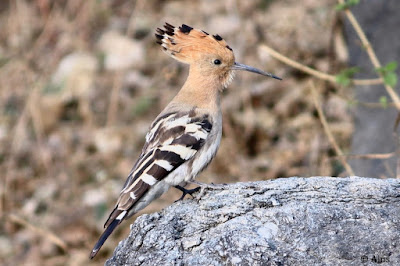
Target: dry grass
{"points": [[65, 149]]}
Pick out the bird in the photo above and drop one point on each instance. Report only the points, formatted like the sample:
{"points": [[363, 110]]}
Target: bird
{"points": [[185, 136]]}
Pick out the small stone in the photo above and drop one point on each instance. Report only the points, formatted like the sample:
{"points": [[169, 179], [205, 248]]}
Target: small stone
{"points": [[108, 140], [94, 197], [121, 52], [6, 246]]}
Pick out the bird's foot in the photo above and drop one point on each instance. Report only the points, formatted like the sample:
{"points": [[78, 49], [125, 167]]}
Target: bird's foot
{"points": [[186, 191], [205, 186]]}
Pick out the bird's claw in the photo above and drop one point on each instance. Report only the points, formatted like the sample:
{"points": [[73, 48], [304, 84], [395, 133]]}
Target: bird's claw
{"points": [[186, 191]]}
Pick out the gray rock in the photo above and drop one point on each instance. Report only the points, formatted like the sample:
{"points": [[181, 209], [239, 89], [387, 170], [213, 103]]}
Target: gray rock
{"points": [[290, 221]]}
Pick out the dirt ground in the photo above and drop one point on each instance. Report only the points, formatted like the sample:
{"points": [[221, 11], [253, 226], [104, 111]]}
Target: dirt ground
{"points": [[81, 81]]}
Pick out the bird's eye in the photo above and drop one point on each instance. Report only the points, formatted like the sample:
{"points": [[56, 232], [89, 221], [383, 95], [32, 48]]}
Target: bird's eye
{"points": [[217, 62]]}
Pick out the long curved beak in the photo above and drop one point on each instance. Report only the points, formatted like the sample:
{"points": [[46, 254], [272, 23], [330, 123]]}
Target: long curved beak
{"points": [[238, 66]]}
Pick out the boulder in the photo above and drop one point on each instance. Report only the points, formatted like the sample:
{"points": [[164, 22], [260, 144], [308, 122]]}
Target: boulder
{"points": [[288, 221]]}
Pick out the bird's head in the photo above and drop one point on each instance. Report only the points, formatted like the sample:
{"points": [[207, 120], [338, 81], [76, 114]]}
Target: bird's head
{"points": [[209, 54]]}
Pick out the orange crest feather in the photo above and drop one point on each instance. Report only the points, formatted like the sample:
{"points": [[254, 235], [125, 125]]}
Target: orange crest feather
{"points": [[188, 45]]}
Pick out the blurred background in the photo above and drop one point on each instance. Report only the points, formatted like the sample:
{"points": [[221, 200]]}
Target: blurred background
{"points": [[81, 81]]}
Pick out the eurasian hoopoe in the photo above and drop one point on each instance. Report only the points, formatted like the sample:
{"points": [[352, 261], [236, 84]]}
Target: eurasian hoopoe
{"points": [[185, 136]]}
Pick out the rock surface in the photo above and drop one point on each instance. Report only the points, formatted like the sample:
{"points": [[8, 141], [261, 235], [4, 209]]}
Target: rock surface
{"points": [[290, 221]]}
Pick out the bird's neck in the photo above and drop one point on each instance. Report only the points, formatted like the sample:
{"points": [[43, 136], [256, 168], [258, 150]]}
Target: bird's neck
{"points": [[200, 91]]}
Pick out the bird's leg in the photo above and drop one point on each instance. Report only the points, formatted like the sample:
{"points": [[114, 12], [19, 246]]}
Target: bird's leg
{"points": [[186, 191]]}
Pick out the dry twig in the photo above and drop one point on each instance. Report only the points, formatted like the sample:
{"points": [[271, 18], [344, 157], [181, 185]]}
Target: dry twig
{"points": [[371, 156], [371, 53], [18, 133], [328, 131], [313, 72], [138, 7], [113, 107], [45, 233]]}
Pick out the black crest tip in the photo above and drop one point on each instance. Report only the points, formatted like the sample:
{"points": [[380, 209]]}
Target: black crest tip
{"points": [[169, 26], [160, 31], [169, 29], [217, 37], [185, 28]]}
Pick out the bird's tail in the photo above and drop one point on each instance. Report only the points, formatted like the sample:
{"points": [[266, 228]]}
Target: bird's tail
{"points": [[107, 232]]}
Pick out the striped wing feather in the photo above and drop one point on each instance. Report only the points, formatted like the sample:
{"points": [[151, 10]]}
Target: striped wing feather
{"points": [[172, 140]]}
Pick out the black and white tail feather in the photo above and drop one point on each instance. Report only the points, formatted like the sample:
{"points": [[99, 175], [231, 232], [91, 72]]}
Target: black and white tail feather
{"points": [[173, 139]]}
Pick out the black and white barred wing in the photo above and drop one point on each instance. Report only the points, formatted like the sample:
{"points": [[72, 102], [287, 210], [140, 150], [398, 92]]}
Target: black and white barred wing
{"points": [[172, 140]]}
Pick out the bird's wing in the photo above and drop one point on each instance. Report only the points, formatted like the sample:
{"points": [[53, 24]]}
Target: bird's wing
{"points": [[173, 139]]}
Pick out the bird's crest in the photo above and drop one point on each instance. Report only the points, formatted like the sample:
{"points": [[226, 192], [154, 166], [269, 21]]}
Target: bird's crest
{"points": [[188, 45]]}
